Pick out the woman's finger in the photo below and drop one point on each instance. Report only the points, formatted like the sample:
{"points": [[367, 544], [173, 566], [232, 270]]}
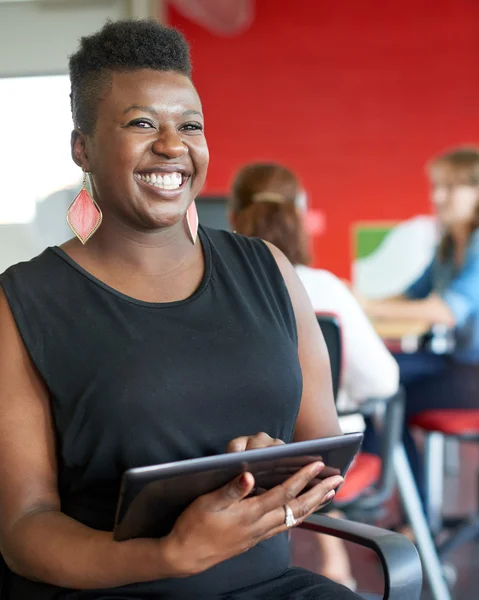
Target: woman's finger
{"points": [[252, 442], [302, 507], [238, 444], [313, 499], [287, 490], [232, 492], [262, 440]]}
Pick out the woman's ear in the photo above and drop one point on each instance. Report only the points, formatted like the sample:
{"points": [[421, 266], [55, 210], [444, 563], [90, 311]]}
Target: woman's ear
{"points": [[78, 149]]}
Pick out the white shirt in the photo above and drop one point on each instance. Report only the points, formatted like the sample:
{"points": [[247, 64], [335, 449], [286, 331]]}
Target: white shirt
{"points": [[369, 370]]}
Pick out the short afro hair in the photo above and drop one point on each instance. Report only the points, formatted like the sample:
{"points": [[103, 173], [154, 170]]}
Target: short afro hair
{"points": [[120, 46]]}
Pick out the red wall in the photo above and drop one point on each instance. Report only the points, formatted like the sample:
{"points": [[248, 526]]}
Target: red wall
{"points": [[354, 96]]}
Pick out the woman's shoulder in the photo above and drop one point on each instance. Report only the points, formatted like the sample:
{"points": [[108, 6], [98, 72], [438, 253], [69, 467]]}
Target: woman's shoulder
{"points": [[34, 268], [231, 238], [29, 278], [44, 260], [230, 247]]}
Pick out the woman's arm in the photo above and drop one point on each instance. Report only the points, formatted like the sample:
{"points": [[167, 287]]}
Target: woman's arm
{"points": [[317, 416], [37, 540], [432, 310], [419, 303]]}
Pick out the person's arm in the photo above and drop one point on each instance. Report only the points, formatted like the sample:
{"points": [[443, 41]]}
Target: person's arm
{"points": [[37, 540], [418, 304], [317, 416], [431, 310], [462, 295], [369, 369], [452, 307]]}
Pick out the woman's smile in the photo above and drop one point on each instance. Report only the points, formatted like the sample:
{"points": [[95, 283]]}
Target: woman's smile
{"points": [[165, 183]]}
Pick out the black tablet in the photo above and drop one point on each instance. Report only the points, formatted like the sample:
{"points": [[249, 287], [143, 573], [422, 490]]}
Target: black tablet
{"points": [[151, 498]]}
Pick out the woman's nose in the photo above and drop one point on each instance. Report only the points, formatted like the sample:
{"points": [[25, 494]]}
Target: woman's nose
{"points": [[440, 195], [169, 144]]}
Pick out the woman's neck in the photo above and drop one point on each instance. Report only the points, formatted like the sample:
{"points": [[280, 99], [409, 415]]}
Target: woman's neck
{"points": [[161, 266], [154, 252]]}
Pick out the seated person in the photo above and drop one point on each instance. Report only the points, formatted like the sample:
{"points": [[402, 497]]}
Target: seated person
{"points": [[447, 293], [148, 340], [262, 204]]}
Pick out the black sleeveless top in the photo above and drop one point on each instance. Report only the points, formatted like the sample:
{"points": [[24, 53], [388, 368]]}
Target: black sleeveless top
{"points": [[136, 383]]}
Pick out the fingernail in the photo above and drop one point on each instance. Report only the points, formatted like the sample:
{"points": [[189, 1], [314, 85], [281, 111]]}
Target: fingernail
{"points": [[338, 481], [330, 495], [318, 467], [243, 480]]}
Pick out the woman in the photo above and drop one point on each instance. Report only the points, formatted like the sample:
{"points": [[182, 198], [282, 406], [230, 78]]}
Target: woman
{"points": [[150, 344], [446, 294], [262, 204]]}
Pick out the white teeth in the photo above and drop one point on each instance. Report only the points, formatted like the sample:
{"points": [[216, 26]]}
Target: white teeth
{"points": [[172, 181]]}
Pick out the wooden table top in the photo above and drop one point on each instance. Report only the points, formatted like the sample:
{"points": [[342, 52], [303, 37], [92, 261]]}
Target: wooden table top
{"points": [[389, 329]]}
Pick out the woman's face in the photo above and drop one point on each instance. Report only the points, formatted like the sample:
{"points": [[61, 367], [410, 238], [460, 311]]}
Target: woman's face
{"points": [[455, 201], [148, 155]]}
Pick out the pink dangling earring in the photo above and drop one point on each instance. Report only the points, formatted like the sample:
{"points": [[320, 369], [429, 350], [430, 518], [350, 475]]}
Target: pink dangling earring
{"points": [[192, 221], [84, 215]]}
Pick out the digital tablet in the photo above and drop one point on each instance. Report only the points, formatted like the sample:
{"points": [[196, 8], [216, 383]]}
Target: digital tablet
{"points": [[151, 498]]}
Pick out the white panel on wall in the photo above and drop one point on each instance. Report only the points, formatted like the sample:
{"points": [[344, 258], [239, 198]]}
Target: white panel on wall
{"points": [[37, 38]]}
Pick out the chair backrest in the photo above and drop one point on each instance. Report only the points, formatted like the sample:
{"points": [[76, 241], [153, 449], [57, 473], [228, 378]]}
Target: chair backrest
{"points": [[392, 421], [332, 336]]}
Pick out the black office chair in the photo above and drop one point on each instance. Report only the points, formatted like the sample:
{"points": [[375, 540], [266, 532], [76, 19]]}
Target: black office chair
{"points": [[371, 479], [331, 329]]}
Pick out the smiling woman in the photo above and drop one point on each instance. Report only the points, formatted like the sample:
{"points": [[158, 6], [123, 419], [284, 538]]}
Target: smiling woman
{"points": [[124, 351], [144, 145]]}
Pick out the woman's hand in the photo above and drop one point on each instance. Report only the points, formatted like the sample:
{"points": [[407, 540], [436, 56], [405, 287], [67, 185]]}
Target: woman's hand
{"points": [[227, 522]]}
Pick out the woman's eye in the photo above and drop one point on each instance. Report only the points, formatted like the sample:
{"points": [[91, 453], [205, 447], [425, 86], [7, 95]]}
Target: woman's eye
{"points": [[192, 127], [141, 123]]}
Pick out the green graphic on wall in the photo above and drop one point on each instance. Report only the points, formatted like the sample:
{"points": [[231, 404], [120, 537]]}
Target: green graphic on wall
{"points": [[388, 257], [368, 238]]}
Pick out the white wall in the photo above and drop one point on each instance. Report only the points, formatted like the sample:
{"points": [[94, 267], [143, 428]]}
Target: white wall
{"points": [[37, 38]]}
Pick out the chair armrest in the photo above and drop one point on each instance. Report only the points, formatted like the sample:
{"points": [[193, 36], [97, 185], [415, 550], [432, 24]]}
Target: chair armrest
{"points": [[399, 557]]}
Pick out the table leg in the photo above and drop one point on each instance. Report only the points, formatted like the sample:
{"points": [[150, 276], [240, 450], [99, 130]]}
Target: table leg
{"points": [[415, 515]]}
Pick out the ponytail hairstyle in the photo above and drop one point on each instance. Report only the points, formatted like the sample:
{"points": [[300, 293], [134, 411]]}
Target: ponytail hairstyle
{"points": [[263, 204]]}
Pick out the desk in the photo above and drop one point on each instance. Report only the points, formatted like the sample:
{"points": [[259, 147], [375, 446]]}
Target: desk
{"points": [[410, 336], [395, 330]]}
